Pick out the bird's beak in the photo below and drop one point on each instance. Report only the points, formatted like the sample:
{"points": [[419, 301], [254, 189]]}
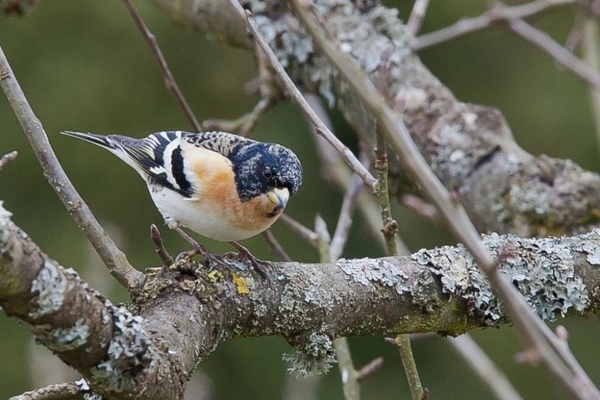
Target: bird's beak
{"points": [[279, 197]]}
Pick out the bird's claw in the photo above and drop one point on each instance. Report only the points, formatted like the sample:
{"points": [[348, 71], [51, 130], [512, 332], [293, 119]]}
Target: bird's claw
{"points": [[244, 255]]}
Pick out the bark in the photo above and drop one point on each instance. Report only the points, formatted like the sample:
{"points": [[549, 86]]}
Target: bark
{"points": [[470, 147], [181, 315]]}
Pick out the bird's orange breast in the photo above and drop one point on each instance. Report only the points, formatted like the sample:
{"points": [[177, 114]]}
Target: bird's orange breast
{"points": [[217, 191]]}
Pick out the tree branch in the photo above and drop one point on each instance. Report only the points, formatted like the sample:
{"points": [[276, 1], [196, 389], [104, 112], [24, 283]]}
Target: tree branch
{"points": [[115, 260], [62, 391], [299, 99], [170, 82], [7, 158], [563, 56], [497, 15], [180, 318], [558, 360], [469, 147]]}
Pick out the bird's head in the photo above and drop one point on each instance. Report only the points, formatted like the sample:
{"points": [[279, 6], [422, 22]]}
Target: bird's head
{"points": [[266, 168]]}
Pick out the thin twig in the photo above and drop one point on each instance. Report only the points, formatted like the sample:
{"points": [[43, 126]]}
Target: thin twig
{"points": [[416, 16], [591, 55], [483, 366], [170, 82], [389, 231], [60, 391], [115, 260], [420, 206], [563, 56], [489, 18], [342, 230], [295, 94], [336, 171], [350, 383], [575, 37], [244, 124], [160, 249], [402, 343], [464, 345], [558, 360], [7, 158], [349, 375], [587, 11], [368, 370], [304, 232], [275, 246]]}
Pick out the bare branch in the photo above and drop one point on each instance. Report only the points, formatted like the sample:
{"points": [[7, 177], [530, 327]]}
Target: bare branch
{"points": [[560, 362], [275, 246], [243, 124], [7, 158], [368, 370], [389, 230], [416, 16], [114, 259], [61, 391], [295, 94], [419, 206], [342, 230], [304, 232], [337, 172], [160, 249], [591, 56], [484, 367], [349, 375], [495, 16], [402, 343], [563, 56], [170, 82]]}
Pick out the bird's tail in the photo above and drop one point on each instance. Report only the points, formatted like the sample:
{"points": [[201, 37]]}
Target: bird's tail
{"points": [[99, 140], [118, 145]]}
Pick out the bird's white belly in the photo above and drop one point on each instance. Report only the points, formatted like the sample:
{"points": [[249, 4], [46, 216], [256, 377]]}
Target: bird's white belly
{"points": [[198, 217]]}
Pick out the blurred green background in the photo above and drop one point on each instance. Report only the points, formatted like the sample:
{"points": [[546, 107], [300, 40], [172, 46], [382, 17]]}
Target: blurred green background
{"points": [[84, 66]]}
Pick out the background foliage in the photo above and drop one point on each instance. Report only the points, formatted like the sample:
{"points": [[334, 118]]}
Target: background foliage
{"points": [[84, 66]]}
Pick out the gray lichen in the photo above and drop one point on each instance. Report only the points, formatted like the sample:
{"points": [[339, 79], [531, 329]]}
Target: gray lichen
{"points": [[5, 223], [84, 388], [129, 352], [368, 271], [62, 340], [592, 250], [314, 356], [50, 285], [542, 269]]}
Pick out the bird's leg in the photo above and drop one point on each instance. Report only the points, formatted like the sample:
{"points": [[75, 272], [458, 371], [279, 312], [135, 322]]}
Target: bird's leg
{"points": [[245, 255], [210, 259]]}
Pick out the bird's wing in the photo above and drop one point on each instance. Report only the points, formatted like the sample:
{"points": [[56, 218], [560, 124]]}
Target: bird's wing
{"points": [[158, 157], [221, 142]]}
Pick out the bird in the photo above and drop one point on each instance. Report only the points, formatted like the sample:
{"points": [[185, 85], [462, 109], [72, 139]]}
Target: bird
{"points": [[220, 185]]}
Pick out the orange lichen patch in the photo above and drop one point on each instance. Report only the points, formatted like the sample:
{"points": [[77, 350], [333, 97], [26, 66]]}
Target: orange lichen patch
{"points": [[241, 284]]}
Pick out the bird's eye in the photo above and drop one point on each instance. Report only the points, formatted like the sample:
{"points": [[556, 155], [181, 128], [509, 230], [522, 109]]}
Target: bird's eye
{"points": [[268, 173]]}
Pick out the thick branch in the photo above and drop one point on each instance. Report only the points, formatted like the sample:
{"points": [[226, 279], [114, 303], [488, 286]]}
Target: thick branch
{"points": [[107, 344], [470, 147], [181, 318]]}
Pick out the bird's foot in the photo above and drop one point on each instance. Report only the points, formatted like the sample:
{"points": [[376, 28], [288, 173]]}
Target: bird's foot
{"points": [[244, 255], [210, 260]]}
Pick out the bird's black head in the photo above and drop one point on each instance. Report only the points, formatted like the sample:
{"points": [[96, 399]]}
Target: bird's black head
{"points": [[260, 167]]}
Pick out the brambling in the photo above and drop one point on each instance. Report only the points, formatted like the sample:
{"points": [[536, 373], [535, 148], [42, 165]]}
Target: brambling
{"points": [[220, 185]]}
